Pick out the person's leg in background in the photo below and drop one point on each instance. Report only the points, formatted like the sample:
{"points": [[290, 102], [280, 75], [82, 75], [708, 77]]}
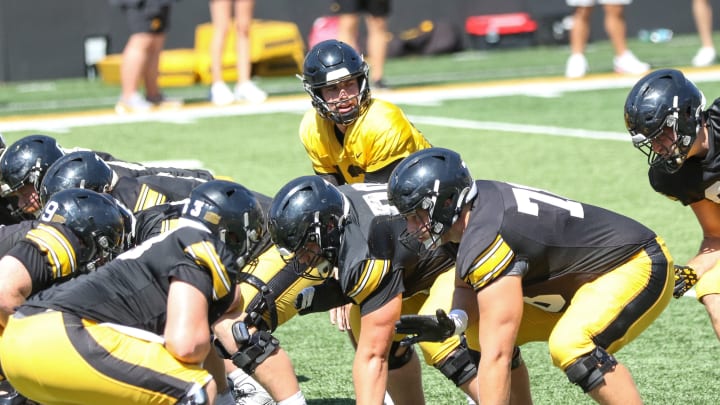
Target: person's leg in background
{"points": [[348, 28], [245, 89], [624, 60], [221, 19], [148, 23], [577, 65], [702, 14], [132, 69], [377, 41]]}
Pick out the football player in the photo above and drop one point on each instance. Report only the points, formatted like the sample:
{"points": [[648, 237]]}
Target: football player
{"points": [[350, 136], [136, 330], [22, 167], [354, 229], [134, 194], [78, 231], [665, 114], [269, 288], [535, 266], [28, 160]]}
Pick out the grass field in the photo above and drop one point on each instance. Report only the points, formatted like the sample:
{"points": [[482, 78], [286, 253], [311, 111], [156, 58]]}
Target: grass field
{"points": [[519, 121]]}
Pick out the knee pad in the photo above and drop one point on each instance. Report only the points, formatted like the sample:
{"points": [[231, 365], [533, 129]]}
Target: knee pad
{"points": [[395, 362], [259, 347], [587, 372], [459, 366]]}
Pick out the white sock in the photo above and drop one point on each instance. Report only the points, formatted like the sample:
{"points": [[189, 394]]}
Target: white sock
{"points": [[297, 399], [237, 376]]}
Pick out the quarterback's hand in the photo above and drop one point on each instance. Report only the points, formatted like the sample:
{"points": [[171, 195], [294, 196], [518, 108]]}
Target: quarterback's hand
{"points": [[431, 328], [685, 278]]}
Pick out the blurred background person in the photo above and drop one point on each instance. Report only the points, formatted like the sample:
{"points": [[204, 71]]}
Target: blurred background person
{"points": [[702, 13], [376, 13], [148, 22], [221, 15], [624, 60]]}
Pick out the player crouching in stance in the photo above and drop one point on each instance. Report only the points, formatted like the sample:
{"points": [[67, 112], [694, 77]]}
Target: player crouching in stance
{"points": [[353, 229], [137, 330], [534, 266]]}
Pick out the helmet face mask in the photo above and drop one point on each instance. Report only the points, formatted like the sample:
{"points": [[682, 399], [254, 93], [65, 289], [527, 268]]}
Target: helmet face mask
{"points": [[94, 218], [663, 114], [24, 163], [306, 221], [331, 63], [430, 188]]}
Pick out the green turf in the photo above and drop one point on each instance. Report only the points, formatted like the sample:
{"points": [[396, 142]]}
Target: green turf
{"points": [[21, 98], [673, 362]]}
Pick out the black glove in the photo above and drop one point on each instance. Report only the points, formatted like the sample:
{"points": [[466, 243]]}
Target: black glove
{"points": [[685, 278], [320, 298], [425, 328]]}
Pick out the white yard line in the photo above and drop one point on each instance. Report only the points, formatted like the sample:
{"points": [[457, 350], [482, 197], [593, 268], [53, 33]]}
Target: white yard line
{"points": [[522, 128], [544, 87]]}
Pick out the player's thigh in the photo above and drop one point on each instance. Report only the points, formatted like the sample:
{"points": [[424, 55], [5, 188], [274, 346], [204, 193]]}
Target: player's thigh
{"points": [[615, 308], [58, 358], [283, 283], [439, 297]]}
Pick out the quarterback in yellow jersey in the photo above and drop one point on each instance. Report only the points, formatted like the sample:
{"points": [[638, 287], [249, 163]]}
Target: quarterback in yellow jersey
{"points": [[349, 136]]}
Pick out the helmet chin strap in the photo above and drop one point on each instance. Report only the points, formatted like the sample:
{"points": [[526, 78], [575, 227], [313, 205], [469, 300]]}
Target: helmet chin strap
{"points": [[435, 229]]}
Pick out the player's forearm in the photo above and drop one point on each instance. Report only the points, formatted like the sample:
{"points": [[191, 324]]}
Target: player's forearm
{"points": [[707, 257]]}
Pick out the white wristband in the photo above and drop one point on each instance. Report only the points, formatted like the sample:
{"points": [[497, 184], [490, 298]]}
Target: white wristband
{"points": [[460, 319]]}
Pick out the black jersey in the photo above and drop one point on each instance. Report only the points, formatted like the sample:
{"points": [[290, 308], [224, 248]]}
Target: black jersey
{"points": [[11, 234], [375, 262], [156, 220], [132, 290], [162, 218], [543, 237], [698, 178], [7, 210], [130, 169], [50, 252], [139, 193]]}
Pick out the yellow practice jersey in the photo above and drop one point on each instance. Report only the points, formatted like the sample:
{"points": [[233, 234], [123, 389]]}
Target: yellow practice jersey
{"points": [[379, 137]]}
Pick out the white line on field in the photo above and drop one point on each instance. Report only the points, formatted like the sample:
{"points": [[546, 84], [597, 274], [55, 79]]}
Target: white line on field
{"points": [[542, 87], [522, 128]]}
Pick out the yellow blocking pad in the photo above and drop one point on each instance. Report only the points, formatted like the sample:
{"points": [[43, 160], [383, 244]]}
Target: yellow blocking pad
{"points": [[177, 68], [276, 48]]}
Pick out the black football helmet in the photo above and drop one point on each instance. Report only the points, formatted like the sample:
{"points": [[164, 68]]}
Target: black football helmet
{"points": [[231, 212], [80, 169], [436, 180], [26, 161], [664, 99], [328, 63], [94, 218], [309, 209]]}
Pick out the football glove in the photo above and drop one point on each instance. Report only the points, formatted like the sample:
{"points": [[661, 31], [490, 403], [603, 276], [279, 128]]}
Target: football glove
{"points": [[431, 328], [685, 278], [320, 298]]}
